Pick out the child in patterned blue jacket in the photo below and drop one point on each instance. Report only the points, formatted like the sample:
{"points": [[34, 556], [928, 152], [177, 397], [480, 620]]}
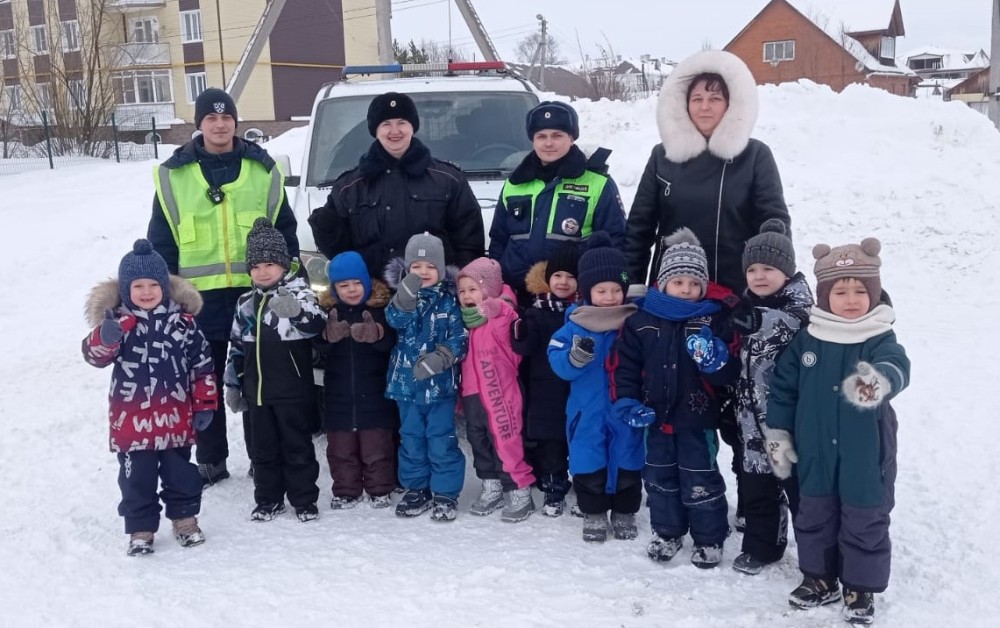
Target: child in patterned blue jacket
{"points": [[422, 379]]}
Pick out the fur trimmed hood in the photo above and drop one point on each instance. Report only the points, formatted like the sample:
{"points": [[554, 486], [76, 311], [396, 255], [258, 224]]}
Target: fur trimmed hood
{"points": [[105, 296], [681, 139], [379, 297], [395, 270], [534, 281]]}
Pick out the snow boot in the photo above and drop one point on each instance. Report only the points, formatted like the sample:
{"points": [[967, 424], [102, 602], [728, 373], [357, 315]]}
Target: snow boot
{"points": [[213, 472], [489, 500], [518, 505], [814, 592], [306, 513], [555, 488], [745, 563], [595, 527], [379, 501], [343, 503], [859, 606], [662, 549], [623, 526], [415, 502], [445, 508], [266, 512], [140, 544], [187, 532], [706, 556], [553, 505]]}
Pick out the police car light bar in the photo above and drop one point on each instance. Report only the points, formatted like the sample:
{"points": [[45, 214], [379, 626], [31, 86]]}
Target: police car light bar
{"points": [[408, 68]]}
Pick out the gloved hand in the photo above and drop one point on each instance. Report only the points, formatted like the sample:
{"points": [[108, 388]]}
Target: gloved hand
{"points": [[202, 419], [336, 329], [113, 328], [406, 293], [491, 308], [235, 400], [430, 364], [284, 304], [746, 317], [866, 387], [780, 451], [582, 352], [641, 416], [367, 330], [707, 351]]}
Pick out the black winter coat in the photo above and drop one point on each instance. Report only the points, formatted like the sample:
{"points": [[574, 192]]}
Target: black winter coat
{"points": [[724, 202], [376, 207], [354, 373]]}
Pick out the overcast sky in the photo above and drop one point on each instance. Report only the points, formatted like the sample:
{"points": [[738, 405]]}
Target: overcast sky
{"points": [[677, 28]]}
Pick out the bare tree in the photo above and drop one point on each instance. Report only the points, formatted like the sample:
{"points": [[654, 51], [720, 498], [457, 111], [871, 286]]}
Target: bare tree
{"points": [[601, 76], [526, 49]]}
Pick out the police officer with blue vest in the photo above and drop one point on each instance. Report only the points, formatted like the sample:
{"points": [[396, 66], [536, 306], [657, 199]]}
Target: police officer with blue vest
{"points": [[208, 195], [555, 195]]}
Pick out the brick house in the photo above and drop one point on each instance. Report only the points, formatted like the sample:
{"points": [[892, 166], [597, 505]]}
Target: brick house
{"points": [[782, 44]]}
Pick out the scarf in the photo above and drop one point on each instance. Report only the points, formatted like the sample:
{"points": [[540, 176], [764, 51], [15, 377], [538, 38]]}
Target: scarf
{"points": [[832, 328], [550, 302], [602, 319], [671, 308], [472, 318]]}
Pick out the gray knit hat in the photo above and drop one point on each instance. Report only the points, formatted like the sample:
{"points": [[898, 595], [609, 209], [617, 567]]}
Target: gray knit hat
{"points": [[771, 247], [142, 262], [682, 257], [266, 244], [426, 247]]}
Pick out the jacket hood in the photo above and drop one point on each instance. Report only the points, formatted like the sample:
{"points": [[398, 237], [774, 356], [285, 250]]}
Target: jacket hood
{"points": [[105, 296], [379, 297], [395, 270], [681, 139], [534, 281], [189, 153]]}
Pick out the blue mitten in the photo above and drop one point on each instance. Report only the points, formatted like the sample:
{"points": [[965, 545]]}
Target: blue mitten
{"points": [[202, 419], [707, 351], [633, 413]]}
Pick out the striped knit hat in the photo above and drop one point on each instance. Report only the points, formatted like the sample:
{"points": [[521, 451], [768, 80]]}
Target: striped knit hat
{"points": [[682, 257]]}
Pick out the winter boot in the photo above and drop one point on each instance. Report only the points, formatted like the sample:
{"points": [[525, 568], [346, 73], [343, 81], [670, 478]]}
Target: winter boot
{"points": [[555, 488], [518, 505], [343, 503], [745, 563], [489, 500], [859, 606], [595, 527], [379, 501], [662, 549], [266, 512], [307, 512], [187, 532], [140, 544], [623, 526], [415, 502], [814, 592], [445, 508], [213, 472], [553, 505], [575, 511], [706, 556]]}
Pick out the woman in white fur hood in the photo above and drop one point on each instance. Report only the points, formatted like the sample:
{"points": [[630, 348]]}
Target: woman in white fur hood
{"points": [[708, 174]]}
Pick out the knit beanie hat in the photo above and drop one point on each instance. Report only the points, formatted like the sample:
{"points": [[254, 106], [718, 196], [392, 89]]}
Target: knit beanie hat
{"points": [[349, 265], [485, 272], [771, 247], [855, 261], [426, 247], [389, 106], [682, 257], [599, 263], [266, 244], [563, 259], [213, 100], [553, 115], [142, 262]]}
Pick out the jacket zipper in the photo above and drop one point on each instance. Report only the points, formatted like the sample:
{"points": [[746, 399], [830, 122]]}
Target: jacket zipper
{"points": [[718, 218], [260, 374], [354, 401], [225, 234]]}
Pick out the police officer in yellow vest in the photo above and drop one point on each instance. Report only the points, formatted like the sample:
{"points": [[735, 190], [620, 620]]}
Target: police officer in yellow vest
{"points": [[555, 195], [208, 195]]}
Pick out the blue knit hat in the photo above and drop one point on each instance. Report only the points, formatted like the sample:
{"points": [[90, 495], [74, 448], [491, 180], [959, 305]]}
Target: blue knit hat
{"points": [[142, 262], [553, 115], [347, 266], [600, 262]]}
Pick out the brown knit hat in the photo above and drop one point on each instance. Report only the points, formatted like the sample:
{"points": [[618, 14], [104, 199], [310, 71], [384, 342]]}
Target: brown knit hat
{"points": [[855, 261]]}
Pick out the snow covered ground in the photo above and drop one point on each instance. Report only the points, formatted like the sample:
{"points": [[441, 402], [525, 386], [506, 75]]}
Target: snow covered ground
{"points": [[922, 176]]}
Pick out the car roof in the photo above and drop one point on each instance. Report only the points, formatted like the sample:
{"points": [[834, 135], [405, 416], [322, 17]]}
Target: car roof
{"points": [[423, 84]]}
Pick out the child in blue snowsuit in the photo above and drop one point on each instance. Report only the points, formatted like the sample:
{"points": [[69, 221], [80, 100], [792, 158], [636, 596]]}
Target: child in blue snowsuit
{"points": [[422, 378]]}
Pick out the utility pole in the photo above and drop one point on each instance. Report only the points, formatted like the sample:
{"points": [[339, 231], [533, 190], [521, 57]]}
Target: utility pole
{"points": [[993, 107], [383, 13], [542, 44]]}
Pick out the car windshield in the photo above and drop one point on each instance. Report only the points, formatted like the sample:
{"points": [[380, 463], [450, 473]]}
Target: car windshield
{"points": [[480, 131]]}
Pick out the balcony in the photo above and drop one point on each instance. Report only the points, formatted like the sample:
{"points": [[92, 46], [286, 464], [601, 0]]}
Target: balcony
{"points": [[134, 6], [139, 116], [140, 55]]}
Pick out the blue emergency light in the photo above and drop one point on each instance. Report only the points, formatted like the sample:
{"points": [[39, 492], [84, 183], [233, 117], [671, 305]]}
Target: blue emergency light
{"points": [[415, 68]]}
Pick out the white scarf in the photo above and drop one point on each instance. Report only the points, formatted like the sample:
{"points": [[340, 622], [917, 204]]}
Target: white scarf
{"points": [[832, 328]]}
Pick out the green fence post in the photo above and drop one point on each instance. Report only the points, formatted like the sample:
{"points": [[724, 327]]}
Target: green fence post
{"points": [[156, 149], [114, 133], [48, 139]]}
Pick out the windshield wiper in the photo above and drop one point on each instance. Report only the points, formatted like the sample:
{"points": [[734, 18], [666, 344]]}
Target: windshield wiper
{"points": [[491, 173]]}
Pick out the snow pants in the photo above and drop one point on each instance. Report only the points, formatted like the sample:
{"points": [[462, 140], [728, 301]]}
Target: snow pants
{"points": [[213, 441], [549, 457], [496, 454], [429, 456], [282, 453], [592, 496], [362, 460], [685, 488], [178, 477], [766, 504]]}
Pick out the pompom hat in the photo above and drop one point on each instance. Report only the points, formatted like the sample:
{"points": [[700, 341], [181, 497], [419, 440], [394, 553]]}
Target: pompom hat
{"points": [[485, 272], [682, 257], [771, 247], [266, 244], [142, 262], [425, 247]]}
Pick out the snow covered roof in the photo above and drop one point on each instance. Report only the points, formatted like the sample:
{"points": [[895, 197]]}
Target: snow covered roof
{"points": [[951, 59]]}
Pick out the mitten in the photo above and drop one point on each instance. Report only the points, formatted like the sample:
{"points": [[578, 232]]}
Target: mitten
{"points": [[336, 329], [284, 304], [641, 416], [780, 451], [113, 328], [430, 364], [707, 351], [367, 330], [235, 400], [406, 293], [491, 308], [582, 352], [202, 419], [746, 317], [866, 387]]}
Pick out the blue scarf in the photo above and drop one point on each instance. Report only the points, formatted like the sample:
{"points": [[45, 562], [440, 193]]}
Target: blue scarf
{"points": [[674, 309]]}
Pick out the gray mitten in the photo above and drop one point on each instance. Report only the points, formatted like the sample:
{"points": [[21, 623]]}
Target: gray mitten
{"points": [[202, 419], [582, 352], [780, 451], [284, 304], [866, 388], [430, 364], [406, 293], [235, 400]]}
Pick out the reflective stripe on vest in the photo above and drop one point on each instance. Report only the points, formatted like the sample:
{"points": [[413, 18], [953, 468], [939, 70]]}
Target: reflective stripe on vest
{"points": [[211, 239], [591, 181]]}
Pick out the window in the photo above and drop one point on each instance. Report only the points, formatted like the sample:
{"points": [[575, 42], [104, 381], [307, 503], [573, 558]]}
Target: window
{"points": [[12, 95], [195, 85], [145, 86], [775, 51], [39, 40], [70, 36], [8, 47], [145, 30], [190, 26], [888, 48], [76, 93], [44, 93]]}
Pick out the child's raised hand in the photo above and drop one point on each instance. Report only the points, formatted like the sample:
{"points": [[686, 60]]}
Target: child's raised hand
{"points": [[582, 352], [284, 304], [336, 329], [866, 387], [367, 330], [707, 351], [491, 308], [113, 328], [406, 293]]}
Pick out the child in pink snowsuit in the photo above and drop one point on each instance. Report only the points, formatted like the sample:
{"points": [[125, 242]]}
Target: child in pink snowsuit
{"points": [[491, 394]]}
